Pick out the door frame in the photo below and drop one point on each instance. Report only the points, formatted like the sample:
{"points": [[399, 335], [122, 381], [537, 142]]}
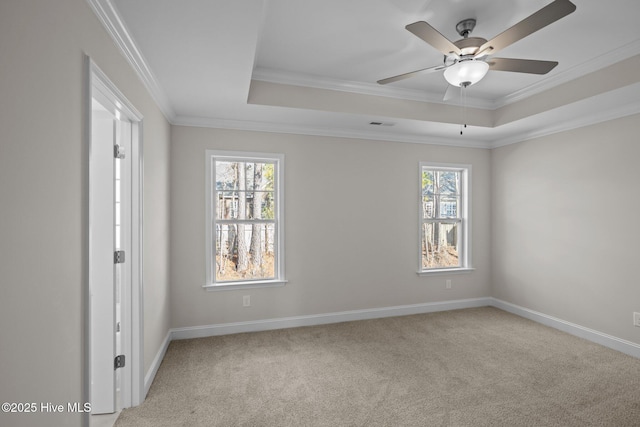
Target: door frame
{"points": [[133, 395]]}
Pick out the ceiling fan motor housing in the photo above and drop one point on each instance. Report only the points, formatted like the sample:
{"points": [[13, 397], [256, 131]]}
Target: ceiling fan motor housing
{"points": [[470, 45]]}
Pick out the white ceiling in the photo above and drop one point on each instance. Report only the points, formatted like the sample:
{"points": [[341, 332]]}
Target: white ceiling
{"points": [[311, 66]]}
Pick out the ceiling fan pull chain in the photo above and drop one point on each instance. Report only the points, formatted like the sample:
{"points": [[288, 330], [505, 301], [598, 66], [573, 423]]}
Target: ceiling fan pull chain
{"points": [[463, 110], [461, 107]]}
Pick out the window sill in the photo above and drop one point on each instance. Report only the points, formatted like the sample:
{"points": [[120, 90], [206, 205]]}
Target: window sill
{"points": [[246, 285], [441, 271]]}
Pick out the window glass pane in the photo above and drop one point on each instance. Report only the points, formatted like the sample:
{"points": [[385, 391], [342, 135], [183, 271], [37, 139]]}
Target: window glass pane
{"points": [[226, 175], [259, 176], [117, 235], [268, 176], [238, 184], [428, 194], [448, 206], [117, 213], [244, 252], [440, 245], [261, 205], [428, 206], [427, 182], [227, 205], [248, 175], [245, 205], [448, 182], [254, 175]]}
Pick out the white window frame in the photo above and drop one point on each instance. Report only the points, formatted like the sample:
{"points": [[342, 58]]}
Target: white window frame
{"points": [[242, 156], [464, 235]]}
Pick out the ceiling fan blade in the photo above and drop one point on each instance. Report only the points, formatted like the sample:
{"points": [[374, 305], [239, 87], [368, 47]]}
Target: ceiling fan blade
{"points": [[411, 74], [451, 92], [530, 66], [545, 16], [432, 36]]}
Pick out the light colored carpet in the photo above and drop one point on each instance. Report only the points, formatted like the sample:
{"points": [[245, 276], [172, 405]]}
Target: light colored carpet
{"points": [[474, 367]]}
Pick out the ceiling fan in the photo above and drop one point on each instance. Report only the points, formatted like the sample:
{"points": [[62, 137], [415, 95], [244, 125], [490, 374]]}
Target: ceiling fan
{"points": [[467, 60]]}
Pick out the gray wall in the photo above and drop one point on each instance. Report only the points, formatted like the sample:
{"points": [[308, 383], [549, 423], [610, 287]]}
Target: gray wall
{"points": [[351, 227], [43, 179], [565, 229]]}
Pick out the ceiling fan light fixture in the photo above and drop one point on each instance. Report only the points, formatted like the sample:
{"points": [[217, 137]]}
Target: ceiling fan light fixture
{"points": [[465, 73]]}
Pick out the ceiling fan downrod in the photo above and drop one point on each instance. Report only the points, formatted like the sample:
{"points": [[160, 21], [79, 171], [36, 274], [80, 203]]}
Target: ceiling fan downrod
{"points": [[465, 27]]}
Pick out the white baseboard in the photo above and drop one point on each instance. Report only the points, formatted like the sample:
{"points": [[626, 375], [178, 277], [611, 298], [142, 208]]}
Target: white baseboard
{"points": [[321, 319], [606, 340], [155, 365], [597, 337]]}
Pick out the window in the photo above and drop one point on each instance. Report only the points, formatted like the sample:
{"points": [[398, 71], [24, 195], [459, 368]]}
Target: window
{"points": [[444, 217], [244, 219]]}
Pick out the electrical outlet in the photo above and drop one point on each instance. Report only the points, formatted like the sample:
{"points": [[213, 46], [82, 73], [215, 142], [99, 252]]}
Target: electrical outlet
{"points": [[448, 286], [246, 301], [636, 319]]}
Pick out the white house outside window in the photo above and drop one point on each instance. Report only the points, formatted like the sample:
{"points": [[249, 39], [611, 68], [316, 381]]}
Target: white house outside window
{"points": [[444, 217], [244, 219]]}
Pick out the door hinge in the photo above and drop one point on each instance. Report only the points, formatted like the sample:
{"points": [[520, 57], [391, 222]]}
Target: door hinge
{"points": [[118, 257], [118, 152], [118, 362]]}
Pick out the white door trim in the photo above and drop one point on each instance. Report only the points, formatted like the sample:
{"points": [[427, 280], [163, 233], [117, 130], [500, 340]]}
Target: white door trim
{"points": [[96, 80]]}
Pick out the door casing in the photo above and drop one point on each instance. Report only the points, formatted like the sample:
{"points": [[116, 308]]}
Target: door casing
{"points": [[98, 84]]}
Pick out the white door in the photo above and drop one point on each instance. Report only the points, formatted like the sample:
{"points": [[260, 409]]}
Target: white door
{"points": [[110, 241]]}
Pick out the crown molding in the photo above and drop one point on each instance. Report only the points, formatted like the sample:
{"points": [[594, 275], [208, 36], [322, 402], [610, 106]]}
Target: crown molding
{"points": [[256, 126], [307, 80], [110, 18], [587, 67], [286, 128], [580, 120]]}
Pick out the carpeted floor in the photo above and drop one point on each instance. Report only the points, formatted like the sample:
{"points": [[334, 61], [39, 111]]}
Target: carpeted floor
{"points": [[474, 367]]}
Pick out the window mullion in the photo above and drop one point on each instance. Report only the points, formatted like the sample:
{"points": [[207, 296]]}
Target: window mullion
{"points": [[245, 221]]}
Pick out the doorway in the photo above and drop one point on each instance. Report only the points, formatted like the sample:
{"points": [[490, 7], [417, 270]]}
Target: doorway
{"points": [[114, 345]]}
